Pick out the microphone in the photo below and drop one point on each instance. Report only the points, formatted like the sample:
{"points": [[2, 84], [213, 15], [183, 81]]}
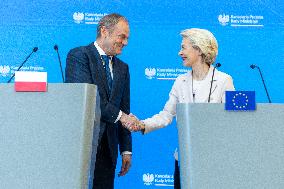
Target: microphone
{"points": [[267, 94], [216, 66], [60, 64], [34, 50], [252, 66]]}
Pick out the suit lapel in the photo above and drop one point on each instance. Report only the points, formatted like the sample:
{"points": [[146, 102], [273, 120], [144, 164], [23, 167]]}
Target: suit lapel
{"points": [[98, 69], [116, 70]]}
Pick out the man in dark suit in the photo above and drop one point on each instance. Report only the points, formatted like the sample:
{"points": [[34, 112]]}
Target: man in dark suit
{"points": [[97, 64]]}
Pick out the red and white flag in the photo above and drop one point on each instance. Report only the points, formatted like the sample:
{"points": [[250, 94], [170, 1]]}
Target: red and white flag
{"points": [[30, 81]]}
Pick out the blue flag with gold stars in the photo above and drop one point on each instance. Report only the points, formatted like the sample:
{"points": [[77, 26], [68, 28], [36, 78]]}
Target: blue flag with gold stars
{"points": [[240, 100]]}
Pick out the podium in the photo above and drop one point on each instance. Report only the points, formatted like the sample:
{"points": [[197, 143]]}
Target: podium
{"points": [[221, 149], [48, 140]]}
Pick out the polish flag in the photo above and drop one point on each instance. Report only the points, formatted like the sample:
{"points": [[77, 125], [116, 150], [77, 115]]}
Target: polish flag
{"points": [[30, 81]]}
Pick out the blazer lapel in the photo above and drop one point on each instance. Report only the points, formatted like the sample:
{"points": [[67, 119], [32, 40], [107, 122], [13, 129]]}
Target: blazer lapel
{"points": [[187, 87], [204, 94]]}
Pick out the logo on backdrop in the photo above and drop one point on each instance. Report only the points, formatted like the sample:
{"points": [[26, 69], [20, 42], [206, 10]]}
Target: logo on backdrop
{"points": [[148, 179], [4, 70], [224, 19], [158, 179], [78, 17], [7, 71], [164, 73], [241, 20], [150, 72], [87, 18]]}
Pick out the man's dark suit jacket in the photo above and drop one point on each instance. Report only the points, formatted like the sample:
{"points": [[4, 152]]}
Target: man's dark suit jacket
{"points": [[84, 65]]}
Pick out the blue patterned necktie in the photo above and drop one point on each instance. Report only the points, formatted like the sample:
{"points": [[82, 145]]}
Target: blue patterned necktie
{"points": [[106, 59]]}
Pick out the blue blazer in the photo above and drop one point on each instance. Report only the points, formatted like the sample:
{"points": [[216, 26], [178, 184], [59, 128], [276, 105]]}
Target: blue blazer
{"points": [[84, 65]]}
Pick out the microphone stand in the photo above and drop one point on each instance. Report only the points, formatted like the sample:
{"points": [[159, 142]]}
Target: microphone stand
{"points": [[267, 94], [216, 66], [56, 49], [34, 50]]}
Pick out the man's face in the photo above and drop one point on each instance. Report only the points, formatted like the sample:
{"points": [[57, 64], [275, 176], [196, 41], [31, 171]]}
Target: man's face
{"points": [[114, 41]]}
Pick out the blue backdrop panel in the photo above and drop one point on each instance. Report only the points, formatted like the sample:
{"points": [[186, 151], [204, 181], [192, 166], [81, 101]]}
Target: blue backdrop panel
{"points": [[248, 32]]}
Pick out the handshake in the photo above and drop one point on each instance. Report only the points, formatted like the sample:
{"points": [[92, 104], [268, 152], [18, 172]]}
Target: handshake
{"points": [[132, 123]]}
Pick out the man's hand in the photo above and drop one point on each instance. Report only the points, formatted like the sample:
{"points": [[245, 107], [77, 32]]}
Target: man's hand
{"points": [[138, 126], [126, 164], [129, 122]]}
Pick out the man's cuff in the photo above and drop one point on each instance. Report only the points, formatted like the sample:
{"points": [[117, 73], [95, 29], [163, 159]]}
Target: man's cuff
{"points": [[126, 153], [119, 116]]}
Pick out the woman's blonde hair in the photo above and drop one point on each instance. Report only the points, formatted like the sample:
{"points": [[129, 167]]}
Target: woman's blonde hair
{"points": [[204, 41]]}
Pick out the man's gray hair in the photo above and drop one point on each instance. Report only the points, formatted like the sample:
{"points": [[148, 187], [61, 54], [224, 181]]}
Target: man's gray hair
{"points": [[109, 21], [204, 41]]}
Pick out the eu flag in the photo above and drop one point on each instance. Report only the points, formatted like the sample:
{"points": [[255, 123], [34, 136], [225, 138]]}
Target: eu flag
{"points": [[240, 100]]}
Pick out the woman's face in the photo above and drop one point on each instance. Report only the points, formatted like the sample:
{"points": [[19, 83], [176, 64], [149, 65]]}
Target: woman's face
{"points": [[189, 55]]}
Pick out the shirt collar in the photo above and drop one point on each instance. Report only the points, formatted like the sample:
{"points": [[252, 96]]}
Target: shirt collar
{"points": [[100, 50]]}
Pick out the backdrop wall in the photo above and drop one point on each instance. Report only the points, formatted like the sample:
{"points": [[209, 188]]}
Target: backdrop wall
{"points": [[248, 32]]}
